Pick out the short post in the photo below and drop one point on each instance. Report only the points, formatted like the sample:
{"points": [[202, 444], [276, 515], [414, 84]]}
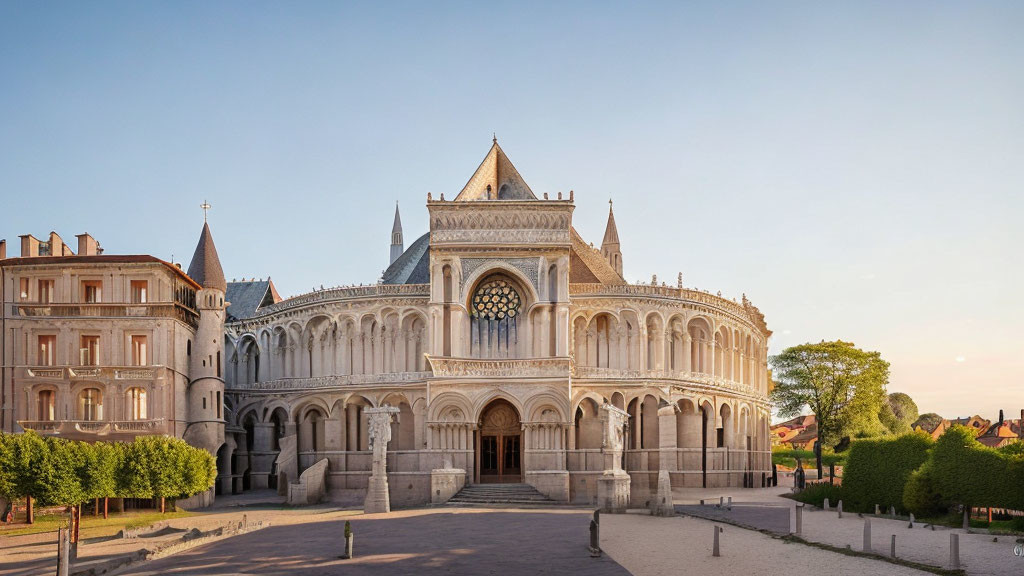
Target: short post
{"points": [[867, 534], [911, 520], [595, 540], [715, 549], [349, 537], [892, 511], [954, 551], [721, 501], [825, 505], [892, 547], [832, 474], [967, 517], [799, 518], [839, 508], [878, 511], [702, 502], [729, 505], [63, 551]]}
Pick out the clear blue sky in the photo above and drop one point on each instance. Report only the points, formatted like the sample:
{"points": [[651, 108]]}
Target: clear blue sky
{"points": [[855, 168]]}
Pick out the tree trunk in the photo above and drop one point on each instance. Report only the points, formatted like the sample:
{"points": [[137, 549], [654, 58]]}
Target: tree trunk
{"points": [[30, 516], [106, 507], [163, 508]]}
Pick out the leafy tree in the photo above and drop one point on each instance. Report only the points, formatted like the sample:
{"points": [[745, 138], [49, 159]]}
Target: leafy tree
{"points": [[132, 477], [100, 473], [927, 421], [898, 413], [842, 385], [7, 490], [60, 475]]}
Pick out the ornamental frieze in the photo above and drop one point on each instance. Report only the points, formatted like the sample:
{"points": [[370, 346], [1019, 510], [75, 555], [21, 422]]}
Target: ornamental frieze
{"points": [[528, 266], [318, 382], [507, 368]]}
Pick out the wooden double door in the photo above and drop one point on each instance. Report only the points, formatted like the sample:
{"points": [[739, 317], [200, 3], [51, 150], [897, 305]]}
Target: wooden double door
{"points": [[500, 446]]}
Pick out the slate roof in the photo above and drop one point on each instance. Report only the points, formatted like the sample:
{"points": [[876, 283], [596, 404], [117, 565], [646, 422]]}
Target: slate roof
{"points": [[413, 266], [246, 298], [205, 268]]}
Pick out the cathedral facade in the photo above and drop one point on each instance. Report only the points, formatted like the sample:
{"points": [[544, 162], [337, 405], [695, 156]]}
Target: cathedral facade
{"points": [[498, 335]]}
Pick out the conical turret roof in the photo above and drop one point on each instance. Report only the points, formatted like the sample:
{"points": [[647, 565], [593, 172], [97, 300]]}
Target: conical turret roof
{"points": [[205, 268], [611, 233], [397, 227]]}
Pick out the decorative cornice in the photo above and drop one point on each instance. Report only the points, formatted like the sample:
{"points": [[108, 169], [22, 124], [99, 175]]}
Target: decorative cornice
{"points": [[475, 368]]}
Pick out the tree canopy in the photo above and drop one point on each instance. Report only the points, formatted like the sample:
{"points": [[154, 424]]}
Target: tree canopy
{"points": [[898, 413], [842, 385]]}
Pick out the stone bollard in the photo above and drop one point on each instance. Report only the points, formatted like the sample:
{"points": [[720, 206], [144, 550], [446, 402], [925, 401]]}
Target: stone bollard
{"points": [[595, 540], [715, 549], [799, 518], [839, 508], [967, 517], [911, 520], [878, 511], [892, 511], [729, 505], [721, 501], [825, 505], [954, 551], [867, 534], [349, 538], [701, 502], [892, 547], [63, 551]]}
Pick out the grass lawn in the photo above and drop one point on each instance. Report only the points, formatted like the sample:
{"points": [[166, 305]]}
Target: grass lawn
{"points": [[92, 526]]}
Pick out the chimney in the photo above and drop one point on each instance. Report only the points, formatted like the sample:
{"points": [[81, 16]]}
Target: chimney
{"points": [[1000, 417], [29, 246], [87, 245], [3, 249], [57, 247]]}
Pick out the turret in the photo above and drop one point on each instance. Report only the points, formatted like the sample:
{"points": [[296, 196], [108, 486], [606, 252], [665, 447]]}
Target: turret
{"points": [[206, 365], [610, 244], [397, 244]]}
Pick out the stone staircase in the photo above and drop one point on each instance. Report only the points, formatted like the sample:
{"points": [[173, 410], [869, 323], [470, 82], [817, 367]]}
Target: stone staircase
{"points": [[500, 495]]}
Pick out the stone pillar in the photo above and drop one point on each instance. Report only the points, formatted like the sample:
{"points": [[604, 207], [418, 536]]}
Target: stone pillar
{"points": [[379, 428], [667, 427], [613, 485]]}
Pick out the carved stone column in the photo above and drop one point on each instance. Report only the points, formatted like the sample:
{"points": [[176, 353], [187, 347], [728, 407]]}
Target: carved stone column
{"points": [[613, 485], [379, 429]]}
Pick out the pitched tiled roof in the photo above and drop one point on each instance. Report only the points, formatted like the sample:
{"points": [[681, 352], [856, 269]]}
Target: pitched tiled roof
{"points": [[498, 173], [413, 266], [587, 265], [205, 267], [245, 298]]}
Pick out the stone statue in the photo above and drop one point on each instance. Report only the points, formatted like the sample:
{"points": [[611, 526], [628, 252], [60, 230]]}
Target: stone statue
{"points": [[379, 434], [613, 485]]}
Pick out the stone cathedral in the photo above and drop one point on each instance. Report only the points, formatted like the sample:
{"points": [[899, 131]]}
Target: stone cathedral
{"points": [[497, 337]]}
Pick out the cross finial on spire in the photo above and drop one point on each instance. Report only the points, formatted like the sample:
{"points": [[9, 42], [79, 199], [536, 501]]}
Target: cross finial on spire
{"points": [[609, 203], [494, 137], [205, 206]]}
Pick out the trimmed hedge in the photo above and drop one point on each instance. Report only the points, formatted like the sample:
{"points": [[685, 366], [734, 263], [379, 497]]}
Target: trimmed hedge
{"points": [[877, 470], [816, 493], [59, 472], [788, 456], [964, 471]]}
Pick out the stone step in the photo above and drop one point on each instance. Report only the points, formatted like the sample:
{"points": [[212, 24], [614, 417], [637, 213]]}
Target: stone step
{"points": [[504, 494]]}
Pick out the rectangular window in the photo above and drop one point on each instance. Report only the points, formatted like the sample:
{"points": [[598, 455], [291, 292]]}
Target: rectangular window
{"points": [[140, 356], [90, 351], [24, 282], [45, 291], [140, 291], [92, 292], [47, 351], [136, 404]]}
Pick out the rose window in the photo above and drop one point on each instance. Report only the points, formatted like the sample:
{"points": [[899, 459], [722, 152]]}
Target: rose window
{"points": [[496, 300]]}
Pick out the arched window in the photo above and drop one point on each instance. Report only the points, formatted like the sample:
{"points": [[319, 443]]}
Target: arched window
{"points": [[494, 319], [90, 404], [45, 405], [135, 399]]}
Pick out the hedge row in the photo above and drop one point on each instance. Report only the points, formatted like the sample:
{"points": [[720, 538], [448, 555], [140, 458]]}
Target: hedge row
{"points": [[59, 472], [877, 470]]}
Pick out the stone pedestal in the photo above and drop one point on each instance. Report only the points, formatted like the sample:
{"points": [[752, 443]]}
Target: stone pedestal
{"points": [[379, 428], [613, 485], [445, 483], [613, 491], [661, 504]]}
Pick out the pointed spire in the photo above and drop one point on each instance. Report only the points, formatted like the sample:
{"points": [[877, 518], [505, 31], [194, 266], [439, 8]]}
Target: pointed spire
{"points": [[397, 243], [205, 267], [611, 233]]}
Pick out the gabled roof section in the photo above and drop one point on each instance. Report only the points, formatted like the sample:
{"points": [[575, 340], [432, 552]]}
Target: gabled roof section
{"points": [[205, 267], [496, 179], [246, 298], [587, 265], [413, 266]]}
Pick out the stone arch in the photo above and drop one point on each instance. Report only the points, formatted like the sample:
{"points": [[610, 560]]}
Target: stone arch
{"points": [[700, 332], [403, 426], [499, 306], [587, 424], [413, 345]]}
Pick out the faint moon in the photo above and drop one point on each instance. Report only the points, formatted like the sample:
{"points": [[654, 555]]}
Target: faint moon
{"points": [[961, 359]]}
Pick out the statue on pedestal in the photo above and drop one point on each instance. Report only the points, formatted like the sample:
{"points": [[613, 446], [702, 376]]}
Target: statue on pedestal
{"points": [[613, 485], [379, 434]]}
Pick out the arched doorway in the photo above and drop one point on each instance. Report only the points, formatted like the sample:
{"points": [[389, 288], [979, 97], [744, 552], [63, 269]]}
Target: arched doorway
{"points": [[500, 449]]}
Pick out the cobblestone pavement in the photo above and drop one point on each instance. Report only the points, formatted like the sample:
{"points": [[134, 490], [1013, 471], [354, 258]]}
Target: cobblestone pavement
{"points": [[422, 542]]}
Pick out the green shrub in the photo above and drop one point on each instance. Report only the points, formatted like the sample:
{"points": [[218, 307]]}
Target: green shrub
{"points": [[816, 493], [788, 456], [966, 472], [920, 497], [878, 469], [1017, 524]]}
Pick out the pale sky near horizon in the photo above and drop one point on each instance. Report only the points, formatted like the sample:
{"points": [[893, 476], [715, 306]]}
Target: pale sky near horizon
{"points": [[855, 168]]}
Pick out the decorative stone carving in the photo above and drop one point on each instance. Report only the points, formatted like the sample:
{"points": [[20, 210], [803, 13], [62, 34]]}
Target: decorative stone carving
{"points": [[528, 266], [379, 433], [613, 484], [472, 368]]}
